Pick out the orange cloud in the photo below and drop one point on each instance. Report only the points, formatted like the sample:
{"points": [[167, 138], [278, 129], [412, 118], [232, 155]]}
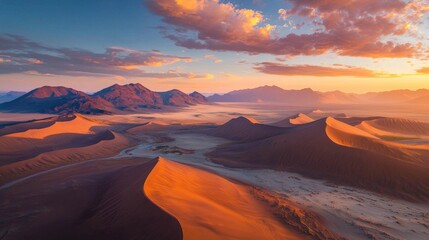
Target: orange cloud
{"points": [[346, 27], [424, 70], [317, 71]]}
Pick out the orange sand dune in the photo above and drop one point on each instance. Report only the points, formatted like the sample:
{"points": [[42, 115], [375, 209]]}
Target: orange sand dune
{"points": [[318, 114], [91, 201], [76, 125], [244, 129], [211, 207], [292, 121], [24, 126], [333, 150], [110, 143], [395, 127], [349, 136], [55, 133]]}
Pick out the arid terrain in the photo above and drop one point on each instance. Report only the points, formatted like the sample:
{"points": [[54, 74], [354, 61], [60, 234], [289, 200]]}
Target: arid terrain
{"points": [[219, 171]]}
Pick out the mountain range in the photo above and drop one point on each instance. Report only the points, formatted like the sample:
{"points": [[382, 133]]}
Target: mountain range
{"points": [[307, 96], [113, 99], [9, 96]]}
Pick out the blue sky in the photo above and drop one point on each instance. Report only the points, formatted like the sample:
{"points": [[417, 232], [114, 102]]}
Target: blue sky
{"points": [[219, 65]]}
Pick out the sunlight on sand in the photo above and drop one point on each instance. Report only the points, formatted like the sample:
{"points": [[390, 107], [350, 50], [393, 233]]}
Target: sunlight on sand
{"points": [[211, 207]]}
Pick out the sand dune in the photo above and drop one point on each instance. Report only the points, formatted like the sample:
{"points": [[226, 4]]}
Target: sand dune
{"points": [[318, 114], [95, 200], [395, 127], [151, 126], [335, 151], [51, 134], [294, 120], [244, 129], [76, 124], [211, 207], [109, 144], [26, 125]]}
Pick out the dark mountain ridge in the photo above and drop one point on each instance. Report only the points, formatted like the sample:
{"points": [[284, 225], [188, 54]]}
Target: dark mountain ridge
{"points": [[113, 99]]}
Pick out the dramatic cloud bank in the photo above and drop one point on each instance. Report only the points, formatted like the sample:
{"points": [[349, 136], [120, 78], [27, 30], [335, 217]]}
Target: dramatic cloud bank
{"points": [[360, 28], [20, 55]]}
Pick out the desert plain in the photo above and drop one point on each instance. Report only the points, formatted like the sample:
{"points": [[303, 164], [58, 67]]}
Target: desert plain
{"points": [[217, 171]]}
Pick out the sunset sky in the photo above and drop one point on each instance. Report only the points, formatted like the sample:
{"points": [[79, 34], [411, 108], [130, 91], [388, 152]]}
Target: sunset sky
{"points": [[215, 46]]}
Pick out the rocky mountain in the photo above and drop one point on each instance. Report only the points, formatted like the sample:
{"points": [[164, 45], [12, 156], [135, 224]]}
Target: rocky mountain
{"points": [[113, 99], [57, 100], [130, 96]]}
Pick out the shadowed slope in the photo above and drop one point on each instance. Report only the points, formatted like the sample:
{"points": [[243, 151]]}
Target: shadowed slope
{"points": [[98, 200], [339, 152], [50, 134]]}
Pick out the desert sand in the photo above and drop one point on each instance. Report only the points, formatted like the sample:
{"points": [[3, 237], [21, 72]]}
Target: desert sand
{"points": [[38, 146], [257, 181], [298, 119], [338, 152], [210, 207], [94, 200]]}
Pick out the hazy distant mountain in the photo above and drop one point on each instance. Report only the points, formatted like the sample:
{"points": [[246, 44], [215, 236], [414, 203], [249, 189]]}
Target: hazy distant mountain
{"points": [[420, 100], [9, 96], [269, 94], [113, 99], [307, 96], [402, 95]]}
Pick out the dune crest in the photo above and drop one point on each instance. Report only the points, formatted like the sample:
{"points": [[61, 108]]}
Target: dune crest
{"points": [[395, 127], [244, 129], [77, 124], [106, 144], [211, 207], [294, 120]]}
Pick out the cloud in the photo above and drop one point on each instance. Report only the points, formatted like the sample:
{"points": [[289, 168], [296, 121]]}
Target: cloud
{"points": [[423, 70], [317, 71], [20, 55], [213, 57], [347, 27]]}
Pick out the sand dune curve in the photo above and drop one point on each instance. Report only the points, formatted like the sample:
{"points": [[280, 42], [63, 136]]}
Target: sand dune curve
{"points": [[335, 151], [395, 127], [294, 120], [243, 129], [211, 207], [77, 124], [109, 144], [95, 200]]}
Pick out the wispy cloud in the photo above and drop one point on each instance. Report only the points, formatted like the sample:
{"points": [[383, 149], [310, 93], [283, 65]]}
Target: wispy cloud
{"points": [[20, 55], [318, 71]]}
